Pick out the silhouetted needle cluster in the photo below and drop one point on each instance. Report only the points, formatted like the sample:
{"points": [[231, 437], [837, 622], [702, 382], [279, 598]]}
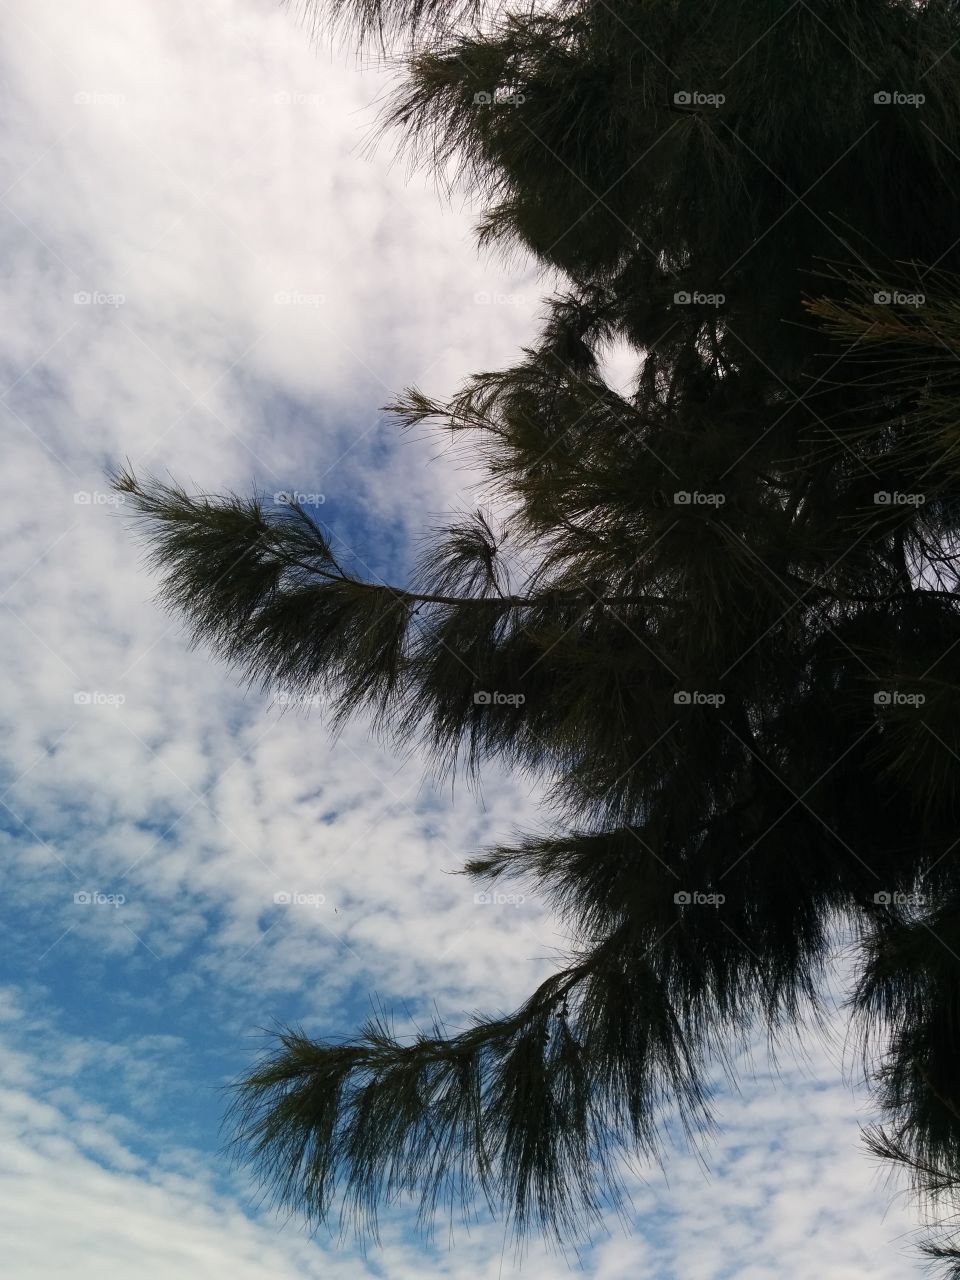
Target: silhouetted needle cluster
{"points": [[733, 648]]}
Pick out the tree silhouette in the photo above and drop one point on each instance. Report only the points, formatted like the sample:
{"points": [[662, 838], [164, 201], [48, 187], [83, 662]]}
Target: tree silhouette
{"points": [[722, 616]]}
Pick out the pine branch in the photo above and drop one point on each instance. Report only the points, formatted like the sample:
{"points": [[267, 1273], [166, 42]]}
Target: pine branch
{"points": [[525, 1111], [182, 525], [383, 21]]}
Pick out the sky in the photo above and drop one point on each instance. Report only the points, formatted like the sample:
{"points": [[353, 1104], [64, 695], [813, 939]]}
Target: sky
{"points": [[210, 270]]}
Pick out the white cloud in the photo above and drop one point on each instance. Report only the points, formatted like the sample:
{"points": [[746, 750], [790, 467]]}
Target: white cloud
{"points": [[789, 1195], [214, 163]]}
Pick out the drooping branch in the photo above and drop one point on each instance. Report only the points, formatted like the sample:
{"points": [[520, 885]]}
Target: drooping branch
{"points": [[526, 1111]]}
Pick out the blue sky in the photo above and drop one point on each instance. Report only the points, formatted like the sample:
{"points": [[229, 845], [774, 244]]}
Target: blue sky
{"points": [[206, 271]]}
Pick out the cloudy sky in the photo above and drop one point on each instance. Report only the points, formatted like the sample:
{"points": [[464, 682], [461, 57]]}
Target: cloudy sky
{"points": [[209, 270]]}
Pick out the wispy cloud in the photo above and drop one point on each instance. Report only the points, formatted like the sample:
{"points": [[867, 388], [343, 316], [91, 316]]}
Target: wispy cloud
{"points": [[207, 273]]}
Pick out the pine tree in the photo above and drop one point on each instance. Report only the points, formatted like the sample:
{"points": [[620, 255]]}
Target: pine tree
{"points": [[723, 604]]}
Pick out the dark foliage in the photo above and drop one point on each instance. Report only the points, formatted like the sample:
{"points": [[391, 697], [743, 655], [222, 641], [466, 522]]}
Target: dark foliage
{"points": [[736, 640]]}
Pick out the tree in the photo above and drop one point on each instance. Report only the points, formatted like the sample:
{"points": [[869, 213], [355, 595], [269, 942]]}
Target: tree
{"points": [[723, 605]]}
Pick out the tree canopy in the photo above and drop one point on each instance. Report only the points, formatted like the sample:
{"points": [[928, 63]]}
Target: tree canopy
{"points": [[721, 606]]}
